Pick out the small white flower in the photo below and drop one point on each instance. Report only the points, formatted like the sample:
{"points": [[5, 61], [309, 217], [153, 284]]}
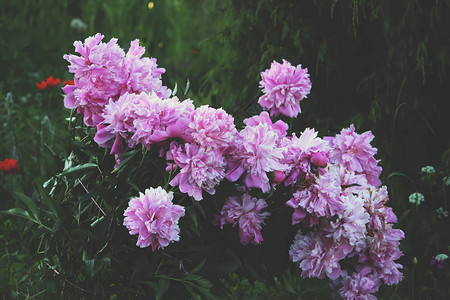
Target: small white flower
{"points": [[446, 180], [77, 24], [441, 257], [428, 170], [416, 198], [441, 213]]}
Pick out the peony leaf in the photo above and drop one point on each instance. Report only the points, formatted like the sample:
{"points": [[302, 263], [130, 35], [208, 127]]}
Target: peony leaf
{"points": [[28, 202], [82, 167]]}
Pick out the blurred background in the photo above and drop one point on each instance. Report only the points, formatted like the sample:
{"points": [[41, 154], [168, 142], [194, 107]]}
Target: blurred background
{"points": [[380, 65]]}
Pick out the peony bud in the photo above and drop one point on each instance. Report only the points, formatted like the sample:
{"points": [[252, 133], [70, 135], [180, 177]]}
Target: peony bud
{"points": [[319, 159], [278, 177]]}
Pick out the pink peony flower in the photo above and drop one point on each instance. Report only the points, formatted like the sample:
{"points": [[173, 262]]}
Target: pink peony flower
{"points": [[284, 86], [316, 255], [117, 126], [98, 77], [154, 218], [357, 286], [255, 153], [200, 168], [377, 256], [157, 120], [375, 199], [320, 199], [279, 127], [350, 182], [303, 151], [354, 151], [104, 72], [212, 128], [143, 73], [246, 212], [349, 228]]}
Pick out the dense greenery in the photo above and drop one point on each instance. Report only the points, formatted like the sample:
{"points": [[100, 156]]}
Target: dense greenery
{"points": [[381, 65]]}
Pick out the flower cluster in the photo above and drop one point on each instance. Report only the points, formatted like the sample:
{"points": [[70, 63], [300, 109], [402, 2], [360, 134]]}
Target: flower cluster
{"points": [[49, 83], [416, 198], [345, 230], [9, 165], [104, 73]]}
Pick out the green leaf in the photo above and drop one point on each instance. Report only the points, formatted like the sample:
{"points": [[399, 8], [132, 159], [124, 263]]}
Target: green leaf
{"points": [[28, 202], [124, 158], [78, 168], [186, 90], [199, 266], [175, 90], [90, 263], [18, 212], [161, 288]]}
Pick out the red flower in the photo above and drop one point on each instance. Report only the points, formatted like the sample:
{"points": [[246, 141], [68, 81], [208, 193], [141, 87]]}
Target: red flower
{"points": [[53, 82], [9, 165], [68, 82], [50, 83], [42, 86]]}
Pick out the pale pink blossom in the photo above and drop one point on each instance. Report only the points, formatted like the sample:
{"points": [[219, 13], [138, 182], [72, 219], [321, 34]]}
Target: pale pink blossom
{"points": [[316, 255], [320, 199], [303, 151], [201, 169], [279, 127], [378, 255], [211, 127], [103, 72], [374, 203], [357, 286], [98, 77], [143, 73], [284, 86], [349, 228], [157, 120], [154, 218], [255, 153], [353, 151], [246, 212]]}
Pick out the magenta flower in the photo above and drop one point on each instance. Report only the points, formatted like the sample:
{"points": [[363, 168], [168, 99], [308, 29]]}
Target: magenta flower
{"points": [[212, 128], [319, 199], [381, 216], [117, 126], [279, 127], [377, 256], [98, 77], [157, 120], [357, 286], [255, 153], [200, 168], [104, 72], [143, 73], [316, 255], [349, 228], [284, 86], [154, 218], [350, 182], [354, 151], [303, 151], [246, 212]]}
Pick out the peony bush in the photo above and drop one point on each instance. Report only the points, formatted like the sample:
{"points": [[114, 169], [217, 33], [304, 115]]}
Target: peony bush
{"points": [[329, 187]]}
